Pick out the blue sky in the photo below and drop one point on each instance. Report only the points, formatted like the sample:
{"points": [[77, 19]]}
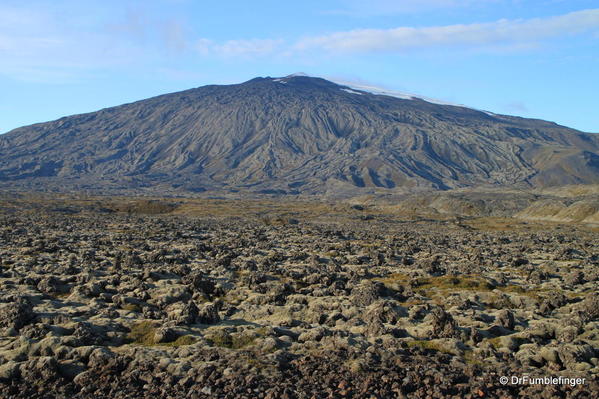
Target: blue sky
{"points": [[536, 58]]}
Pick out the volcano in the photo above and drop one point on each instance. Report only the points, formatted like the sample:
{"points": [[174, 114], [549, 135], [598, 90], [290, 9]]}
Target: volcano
{"points": [[295, 135]]}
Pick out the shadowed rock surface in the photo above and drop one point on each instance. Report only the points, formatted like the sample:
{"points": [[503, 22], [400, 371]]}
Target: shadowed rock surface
{"points": [[294, 135]]}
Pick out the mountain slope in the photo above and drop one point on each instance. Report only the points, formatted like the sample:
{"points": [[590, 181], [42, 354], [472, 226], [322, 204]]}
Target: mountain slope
{"points": [[294, 135]]}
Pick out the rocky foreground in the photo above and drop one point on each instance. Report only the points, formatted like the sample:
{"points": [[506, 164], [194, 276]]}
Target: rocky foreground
{"points": [[107, 304]]}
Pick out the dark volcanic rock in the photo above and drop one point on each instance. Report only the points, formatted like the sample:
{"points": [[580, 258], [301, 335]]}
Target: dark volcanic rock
{"points": [[444, 326], [208, 314], [367, 293], [297, 311], [16, 314]]}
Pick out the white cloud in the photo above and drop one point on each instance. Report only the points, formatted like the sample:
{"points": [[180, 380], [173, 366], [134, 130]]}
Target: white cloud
{"points": [[237, 48], [508, 32], [18, 17], [360, 8], [45, 74], [27, 45], [517, 107], [41, 43], [21, 31], [174, 34]]}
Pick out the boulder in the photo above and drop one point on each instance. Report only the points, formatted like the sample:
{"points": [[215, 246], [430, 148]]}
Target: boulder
{"points": [[16, 314]]}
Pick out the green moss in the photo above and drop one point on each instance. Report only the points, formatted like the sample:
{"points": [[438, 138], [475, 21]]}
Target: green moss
{"points": [[442, 284], [59, 295], [355, 366], [495, 342], [142, 333], [181, 341], [394, 281], [534, 293], [428, 345], [575, 295], [261, 331], [516, 289], [256, 363], [470, 359], [234, 341], [413, 302], [220, 338], [471, 283], [497, 302], [232, 298], [132, 307], [144, 207], [243, 341]]}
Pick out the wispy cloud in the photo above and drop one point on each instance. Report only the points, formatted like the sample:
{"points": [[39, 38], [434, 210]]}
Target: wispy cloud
{"points": [[360, 8], [503, 32], [175, 35], [239, 48], [20, 31], [517, 107], [137, 27], [40, 44]]}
